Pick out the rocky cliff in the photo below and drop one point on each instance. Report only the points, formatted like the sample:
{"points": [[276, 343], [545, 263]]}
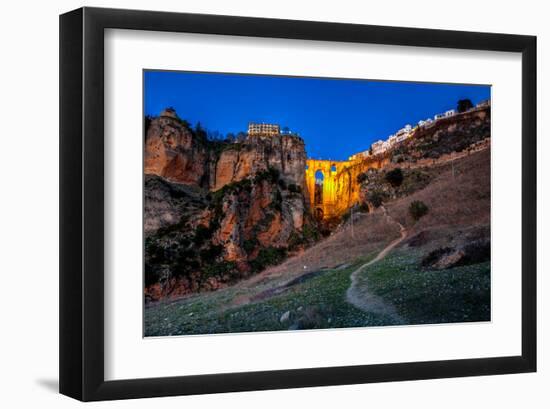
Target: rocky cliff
{"points": [[179, 154], [218, 211], [174, 151]]}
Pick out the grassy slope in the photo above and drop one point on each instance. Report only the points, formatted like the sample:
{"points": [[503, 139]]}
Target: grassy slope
{"points": [[458, 294], [318, 302], [459, 212]]}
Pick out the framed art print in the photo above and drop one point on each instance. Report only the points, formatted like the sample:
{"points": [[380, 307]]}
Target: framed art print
{"points": [[255, 204]]}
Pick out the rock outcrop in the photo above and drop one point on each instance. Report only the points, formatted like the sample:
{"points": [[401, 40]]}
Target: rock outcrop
{"points": [[173, 151]]}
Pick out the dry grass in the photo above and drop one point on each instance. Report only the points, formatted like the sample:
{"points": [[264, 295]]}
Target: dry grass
{"points": [[455, 198], [370, 233]]}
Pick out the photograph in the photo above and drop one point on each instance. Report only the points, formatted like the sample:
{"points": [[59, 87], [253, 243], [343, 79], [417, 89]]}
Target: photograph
{"points": [[293, 203]]}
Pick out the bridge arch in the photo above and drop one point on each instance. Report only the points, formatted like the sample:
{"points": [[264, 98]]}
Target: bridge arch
{"points": [[339, 190], [318, 188]]}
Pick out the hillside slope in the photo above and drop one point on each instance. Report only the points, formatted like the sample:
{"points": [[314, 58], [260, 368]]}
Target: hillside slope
{"points": [[439, 273]]}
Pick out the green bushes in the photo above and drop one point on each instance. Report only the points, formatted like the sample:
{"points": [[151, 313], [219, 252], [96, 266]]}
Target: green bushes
{"points": [[310, 232], [293, 188], [395, 177], [362, 177], [268, 256], [417, 209], [233, 187], [211, 253], [295, 240], [250, 244], [464, 105], [220, 269], [364, 207], [270, 174], [375, 197], [202, 233]]}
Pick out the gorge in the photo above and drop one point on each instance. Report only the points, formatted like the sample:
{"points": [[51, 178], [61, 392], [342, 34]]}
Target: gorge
{"points": [[216, 211]]}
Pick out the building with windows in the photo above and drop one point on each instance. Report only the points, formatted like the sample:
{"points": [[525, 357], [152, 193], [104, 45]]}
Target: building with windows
{"points": [[263, 129], [392, 140], [379, 147], [426, 122], [446, 114], [403, 134], [360, 155]]}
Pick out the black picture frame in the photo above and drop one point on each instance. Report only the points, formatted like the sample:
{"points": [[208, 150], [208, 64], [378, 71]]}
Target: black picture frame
{"points": [[82, 199]]}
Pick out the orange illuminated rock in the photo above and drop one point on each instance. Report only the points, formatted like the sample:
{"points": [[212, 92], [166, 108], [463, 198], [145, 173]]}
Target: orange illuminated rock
{"points": [[172, 152]]}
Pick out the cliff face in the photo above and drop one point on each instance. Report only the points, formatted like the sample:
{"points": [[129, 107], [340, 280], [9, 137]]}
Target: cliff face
{"points": [[216, 212], [285, 153], [178, 154], [172, 151]]}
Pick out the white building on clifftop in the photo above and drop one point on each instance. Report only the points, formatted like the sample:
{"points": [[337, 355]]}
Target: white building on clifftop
{"points": [[380, 147], [263, 129]]}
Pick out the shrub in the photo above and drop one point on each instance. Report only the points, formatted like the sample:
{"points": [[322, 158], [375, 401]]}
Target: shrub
{"points": [[217, 196], [220, 269], [211, 253], [310, 232], [395, 177], [364, 207], [464, 105], [250, 244], [202, 233], [268, 256], [296, 239], [270, 174], [375, 197], [361, 177], [417, 209], [346, 216], [293, 188]]}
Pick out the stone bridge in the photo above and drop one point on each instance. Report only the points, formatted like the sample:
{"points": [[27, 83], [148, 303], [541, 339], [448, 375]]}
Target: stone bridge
{"points": [[337, 188]]}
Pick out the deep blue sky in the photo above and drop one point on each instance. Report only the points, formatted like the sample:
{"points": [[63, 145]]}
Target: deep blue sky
{"points": [[335, 117]]}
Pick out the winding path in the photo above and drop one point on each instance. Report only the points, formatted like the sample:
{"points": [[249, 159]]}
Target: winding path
{"points": [[359, 296]]}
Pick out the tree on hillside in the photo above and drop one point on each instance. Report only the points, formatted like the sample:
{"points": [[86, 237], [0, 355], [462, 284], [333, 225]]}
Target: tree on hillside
{"points": [[241, 136], [395, 177], [417, 209], [464, 105], [375, 197], [200, 131], [214, 136]]}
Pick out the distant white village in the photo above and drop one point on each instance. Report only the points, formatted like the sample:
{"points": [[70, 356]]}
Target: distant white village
{"points": [[406, 132], [378, 147]]}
